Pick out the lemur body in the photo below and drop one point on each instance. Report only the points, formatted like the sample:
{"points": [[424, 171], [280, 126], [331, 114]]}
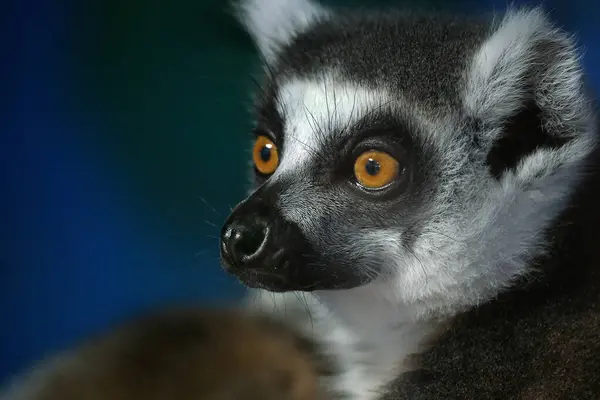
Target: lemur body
{"points": [[424, 203], [477, 275]]}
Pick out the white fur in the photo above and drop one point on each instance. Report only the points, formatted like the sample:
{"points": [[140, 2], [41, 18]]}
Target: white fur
{"points": [[498, 79], [345, 321], [495, 85], [273, 23]]}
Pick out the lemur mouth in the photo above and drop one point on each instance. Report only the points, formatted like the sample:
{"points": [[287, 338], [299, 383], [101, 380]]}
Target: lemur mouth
{"points": [[257, 279]]}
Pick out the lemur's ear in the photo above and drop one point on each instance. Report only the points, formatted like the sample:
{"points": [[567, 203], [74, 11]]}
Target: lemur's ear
{"points": [[525, 86], [274, 23]]}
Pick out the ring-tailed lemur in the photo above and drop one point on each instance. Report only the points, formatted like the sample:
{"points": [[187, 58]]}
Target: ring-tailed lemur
{"points": [[431, 180], [429, 184]]}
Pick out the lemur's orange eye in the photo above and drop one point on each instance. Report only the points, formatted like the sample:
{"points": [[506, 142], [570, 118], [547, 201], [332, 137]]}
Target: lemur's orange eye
{"points": [[375, 169], [265, 155]]}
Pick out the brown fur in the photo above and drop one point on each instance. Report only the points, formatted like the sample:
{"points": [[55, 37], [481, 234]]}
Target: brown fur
{"points": [[190, 355]]}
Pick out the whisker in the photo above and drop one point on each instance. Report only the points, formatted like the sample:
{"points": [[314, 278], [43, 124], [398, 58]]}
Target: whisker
{"points": [[309, 148], [318, 131], [201, 252], [261, 91], [304, 303], [345, 128], [202, 199], [434, 230], [425, 274], [327, 105]]}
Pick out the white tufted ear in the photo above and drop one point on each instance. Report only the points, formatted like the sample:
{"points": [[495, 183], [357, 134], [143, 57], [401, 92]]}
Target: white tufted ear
{"points": [[274, 23], [524, 59]]}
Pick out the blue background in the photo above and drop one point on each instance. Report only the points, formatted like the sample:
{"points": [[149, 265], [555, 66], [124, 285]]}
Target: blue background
{"points": [[123, 145]]}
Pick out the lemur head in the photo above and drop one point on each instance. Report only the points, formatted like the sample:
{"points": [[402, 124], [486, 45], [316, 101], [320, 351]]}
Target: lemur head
{"points": [[424, 153]]}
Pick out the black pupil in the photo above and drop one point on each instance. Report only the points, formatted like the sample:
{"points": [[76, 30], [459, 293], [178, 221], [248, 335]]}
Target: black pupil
{"points": [[265, 153], [372, 167]]}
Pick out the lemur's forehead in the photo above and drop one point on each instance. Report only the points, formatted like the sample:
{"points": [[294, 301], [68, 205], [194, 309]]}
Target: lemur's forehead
{"points": [[421, 56], [321, 110]]}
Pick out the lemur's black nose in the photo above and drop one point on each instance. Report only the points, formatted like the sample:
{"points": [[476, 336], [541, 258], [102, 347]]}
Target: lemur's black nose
{"points": [[243, 241]]}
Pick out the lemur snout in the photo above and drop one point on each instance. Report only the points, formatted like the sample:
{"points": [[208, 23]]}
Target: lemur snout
{"points": [[264, 250], [243, 241]]}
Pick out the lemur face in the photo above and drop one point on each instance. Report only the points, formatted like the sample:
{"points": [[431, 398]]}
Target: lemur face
{"points": [[337, 169], [424, 153]]}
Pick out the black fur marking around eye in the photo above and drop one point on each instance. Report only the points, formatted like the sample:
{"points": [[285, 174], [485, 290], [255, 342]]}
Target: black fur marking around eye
{"points": [[523, 135]]}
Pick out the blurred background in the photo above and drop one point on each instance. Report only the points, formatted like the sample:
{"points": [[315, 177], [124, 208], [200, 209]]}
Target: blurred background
{"points": [[124, 143]]}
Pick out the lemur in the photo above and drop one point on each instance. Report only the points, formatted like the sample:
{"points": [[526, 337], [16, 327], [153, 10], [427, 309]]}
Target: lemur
{"points": [[423, 209]]}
